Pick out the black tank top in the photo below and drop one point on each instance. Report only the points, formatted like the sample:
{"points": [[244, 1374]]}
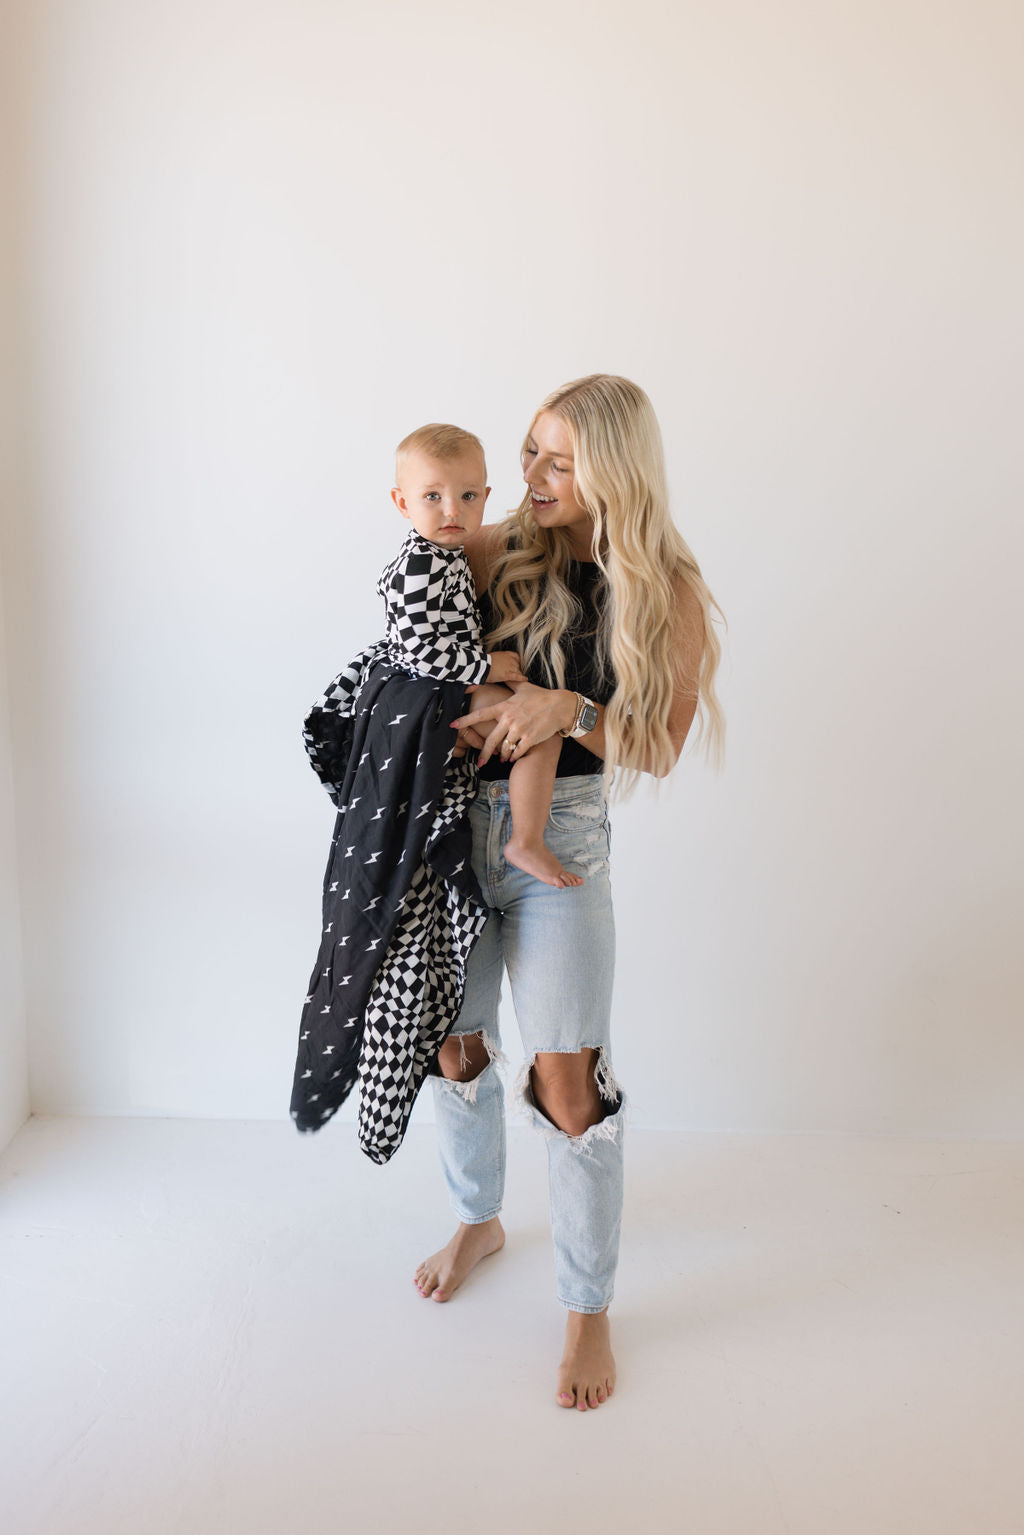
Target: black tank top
{"points": [[581, 670]]}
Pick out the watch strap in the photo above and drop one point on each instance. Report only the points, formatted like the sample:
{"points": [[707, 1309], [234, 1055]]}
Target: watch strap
{"points": [[565, 734], [577, 728]]}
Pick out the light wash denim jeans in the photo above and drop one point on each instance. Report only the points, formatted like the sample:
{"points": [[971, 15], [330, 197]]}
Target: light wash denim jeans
{"points": [[558, 949]]}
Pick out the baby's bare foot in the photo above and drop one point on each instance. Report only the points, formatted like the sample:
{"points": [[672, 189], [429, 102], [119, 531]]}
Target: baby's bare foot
{"points": [[537, 860], [440, 1275], [586, 1376]]}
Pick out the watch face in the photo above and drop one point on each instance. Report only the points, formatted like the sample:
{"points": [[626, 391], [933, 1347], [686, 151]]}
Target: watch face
{"points": [[588, 718]]}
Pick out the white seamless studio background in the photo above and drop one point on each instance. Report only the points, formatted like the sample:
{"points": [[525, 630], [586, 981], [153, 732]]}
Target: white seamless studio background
{"points": [[252, 246]]}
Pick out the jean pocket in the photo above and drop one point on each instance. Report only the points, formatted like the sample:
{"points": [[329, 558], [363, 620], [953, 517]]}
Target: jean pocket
{"points": [[579, 836], [573, 817]]}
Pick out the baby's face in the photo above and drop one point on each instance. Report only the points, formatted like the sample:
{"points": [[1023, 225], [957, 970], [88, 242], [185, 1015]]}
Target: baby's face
{"points": [[443, 498]]}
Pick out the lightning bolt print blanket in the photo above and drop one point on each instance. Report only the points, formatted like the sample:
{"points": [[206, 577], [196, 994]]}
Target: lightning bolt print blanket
{"points": [[401, 905]]}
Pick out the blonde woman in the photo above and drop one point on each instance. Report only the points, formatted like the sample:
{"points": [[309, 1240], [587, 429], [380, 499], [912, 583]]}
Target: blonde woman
{"points": [[592, 584]]}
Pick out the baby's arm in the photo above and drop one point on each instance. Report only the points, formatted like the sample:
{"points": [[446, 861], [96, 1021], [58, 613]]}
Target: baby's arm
{"points": [[436, 639], [504, 667]]}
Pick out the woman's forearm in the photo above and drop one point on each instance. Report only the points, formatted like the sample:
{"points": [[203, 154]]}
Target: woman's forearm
{"points": [[594, 740], [527, 715]]}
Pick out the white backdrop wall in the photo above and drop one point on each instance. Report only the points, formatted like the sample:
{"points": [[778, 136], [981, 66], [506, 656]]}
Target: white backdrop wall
{"points": [[14, 1101], [264, 241]]}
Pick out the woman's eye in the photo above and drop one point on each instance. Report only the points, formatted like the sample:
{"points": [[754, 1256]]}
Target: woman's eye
{"points": [[529, 452], [558, 469]]}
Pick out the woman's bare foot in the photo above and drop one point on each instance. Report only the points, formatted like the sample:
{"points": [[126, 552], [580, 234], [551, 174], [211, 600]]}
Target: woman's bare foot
{"points": [[586, 1376], [541, 863], [440, 1275]]}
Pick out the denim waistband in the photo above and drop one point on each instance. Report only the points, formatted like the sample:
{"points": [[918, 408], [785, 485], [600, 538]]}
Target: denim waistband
{"points": [[584, 789]]}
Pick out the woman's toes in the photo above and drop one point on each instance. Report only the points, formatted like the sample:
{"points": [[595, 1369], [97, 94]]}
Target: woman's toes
{"points": [[566, 1399]]}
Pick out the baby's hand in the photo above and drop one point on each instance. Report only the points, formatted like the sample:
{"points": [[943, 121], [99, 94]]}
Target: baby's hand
{"points": [[504, 667]]}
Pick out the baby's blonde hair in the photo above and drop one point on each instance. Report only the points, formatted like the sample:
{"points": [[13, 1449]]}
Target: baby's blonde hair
{"points": [[438, 440]]}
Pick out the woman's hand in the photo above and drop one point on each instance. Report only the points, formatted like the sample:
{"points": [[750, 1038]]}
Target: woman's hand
{"points": [[485, 694], [518, 720]]}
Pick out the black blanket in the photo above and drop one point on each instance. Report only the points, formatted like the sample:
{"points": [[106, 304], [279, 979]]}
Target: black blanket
{"points": [[401, 905]]}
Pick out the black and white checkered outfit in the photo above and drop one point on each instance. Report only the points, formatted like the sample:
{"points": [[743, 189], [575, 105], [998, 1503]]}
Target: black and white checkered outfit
{"points": [[401, 905], [433, 625]]}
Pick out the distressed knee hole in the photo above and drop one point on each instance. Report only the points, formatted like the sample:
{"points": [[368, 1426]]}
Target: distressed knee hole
{"points": [[607, 1128], [469, 1064]]}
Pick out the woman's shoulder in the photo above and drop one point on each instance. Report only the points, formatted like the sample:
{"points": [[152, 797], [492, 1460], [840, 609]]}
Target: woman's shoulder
{"points": [[482, 549]]}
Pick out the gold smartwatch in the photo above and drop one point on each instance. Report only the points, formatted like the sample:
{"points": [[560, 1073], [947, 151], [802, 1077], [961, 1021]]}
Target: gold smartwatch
{"points": [[585, 718]]}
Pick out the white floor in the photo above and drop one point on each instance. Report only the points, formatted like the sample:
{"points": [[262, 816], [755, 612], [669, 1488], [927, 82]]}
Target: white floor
{"points": [[212, 1327]]}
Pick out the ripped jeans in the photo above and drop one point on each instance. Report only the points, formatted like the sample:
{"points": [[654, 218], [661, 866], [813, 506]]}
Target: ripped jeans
{"points": [[558, 949]]}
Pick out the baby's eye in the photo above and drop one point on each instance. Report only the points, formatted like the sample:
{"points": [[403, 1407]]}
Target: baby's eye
{"points": [[469, 495], [432, 495]]}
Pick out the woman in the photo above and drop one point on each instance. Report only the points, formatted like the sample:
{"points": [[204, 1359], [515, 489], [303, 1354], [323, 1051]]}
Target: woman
{"points": [[590, 581]]}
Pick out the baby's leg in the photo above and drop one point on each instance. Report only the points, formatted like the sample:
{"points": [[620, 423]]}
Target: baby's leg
{"points": [[529, 795]]}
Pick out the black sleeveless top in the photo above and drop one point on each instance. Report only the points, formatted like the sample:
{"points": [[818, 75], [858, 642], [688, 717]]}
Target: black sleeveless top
{"points": [[581, 670]]}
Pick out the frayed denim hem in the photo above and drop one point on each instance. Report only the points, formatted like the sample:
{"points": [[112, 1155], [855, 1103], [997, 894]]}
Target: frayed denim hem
{"points": [[476, 1220]]}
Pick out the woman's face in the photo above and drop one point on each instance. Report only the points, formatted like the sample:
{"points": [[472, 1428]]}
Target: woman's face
{"points": [[548, 470]]}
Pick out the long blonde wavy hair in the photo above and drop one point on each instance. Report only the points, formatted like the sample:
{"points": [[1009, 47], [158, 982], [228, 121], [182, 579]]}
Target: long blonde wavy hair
{"points": [[620, 480]]}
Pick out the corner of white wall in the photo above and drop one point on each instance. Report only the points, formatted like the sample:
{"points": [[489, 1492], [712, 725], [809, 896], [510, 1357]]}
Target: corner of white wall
{"points": [[14, 1098]]}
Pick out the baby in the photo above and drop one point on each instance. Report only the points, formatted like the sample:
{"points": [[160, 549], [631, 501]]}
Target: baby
{"points": [[433, 626]]}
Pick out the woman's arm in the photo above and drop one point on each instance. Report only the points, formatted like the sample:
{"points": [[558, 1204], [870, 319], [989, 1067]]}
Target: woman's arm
{"points": [[532, 714], [522, 718], [689, 652]]}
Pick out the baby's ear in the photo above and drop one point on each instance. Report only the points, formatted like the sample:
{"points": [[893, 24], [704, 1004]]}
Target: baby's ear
{"points": [[398, 497], [487, 491]]}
